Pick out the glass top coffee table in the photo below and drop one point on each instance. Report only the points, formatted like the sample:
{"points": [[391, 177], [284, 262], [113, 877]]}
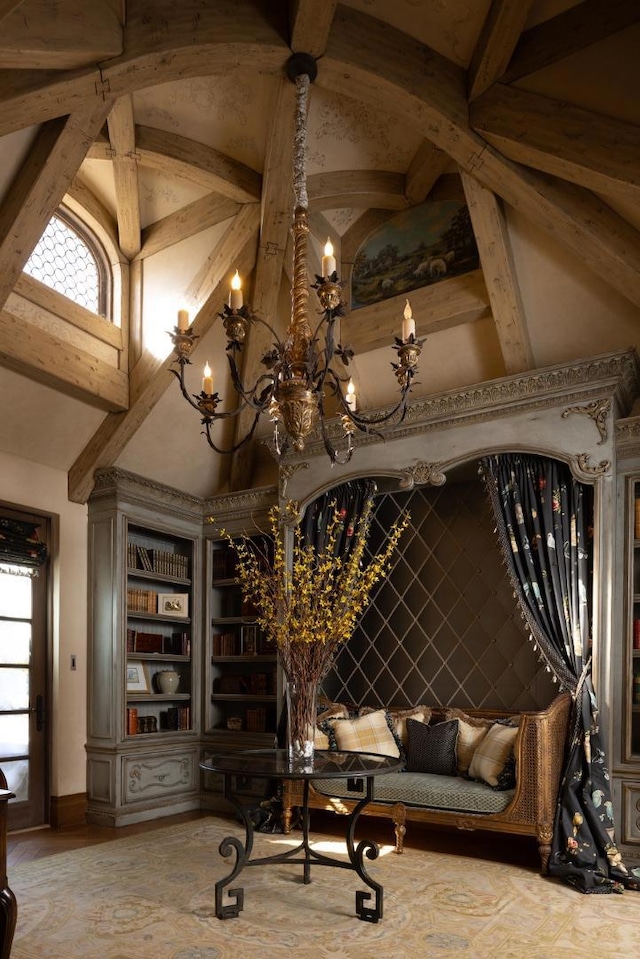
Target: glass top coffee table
{"points": [[359, 768]]}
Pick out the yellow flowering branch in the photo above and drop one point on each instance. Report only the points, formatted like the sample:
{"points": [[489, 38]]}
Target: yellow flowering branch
{"points": [[308, 604]]}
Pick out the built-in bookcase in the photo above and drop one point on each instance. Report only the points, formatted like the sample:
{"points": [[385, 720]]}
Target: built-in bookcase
{"points": [[243, 681], [145, 613]]}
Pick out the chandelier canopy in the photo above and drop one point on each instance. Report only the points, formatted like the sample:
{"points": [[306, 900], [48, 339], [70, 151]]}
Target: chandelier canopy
{"points": [[299, 371]]}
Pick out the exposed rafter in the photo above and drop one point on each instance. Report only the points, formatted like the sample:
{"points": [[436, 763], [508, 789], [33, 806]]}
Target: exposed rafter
{"points": [[500, 33], [599, 153], [500, 275], [568, 32], [150, 378], [40, 185]]}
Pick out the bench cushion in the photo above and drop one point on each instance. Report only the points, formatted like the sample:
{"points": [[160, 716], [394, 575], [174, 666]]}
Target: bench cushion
{"points": [[450, 793]]}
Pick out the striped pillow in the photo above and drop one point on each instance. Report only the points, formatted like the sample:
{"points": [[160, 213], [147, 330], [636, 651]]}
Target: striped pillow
{"points": [[366, 734]]}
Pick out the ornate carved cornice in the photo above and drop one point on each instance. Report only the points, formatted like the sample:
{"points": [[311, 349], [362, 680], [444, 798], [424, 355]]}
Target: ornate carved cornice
{"points": [[112, 481], [239, 506], [593, 382], [627, 437]]}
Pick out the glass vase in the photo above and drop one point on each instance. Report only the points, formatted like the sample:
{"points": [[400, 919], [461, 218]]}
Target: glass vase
{"points": [[301, 721]]}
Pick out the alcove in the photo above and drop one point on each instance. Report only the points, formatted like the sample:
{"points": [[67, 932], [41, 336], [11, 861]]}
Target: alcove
{"points": [[444, 626]]}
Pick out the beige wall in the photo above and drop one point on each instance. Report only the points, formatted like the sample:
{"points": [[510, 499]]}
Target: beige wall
{"points": [[39, 488]]}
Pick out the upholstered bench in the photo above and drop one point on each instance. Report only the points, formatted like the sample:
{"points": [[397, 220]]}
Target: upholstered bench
{"points": [[454, 796]]}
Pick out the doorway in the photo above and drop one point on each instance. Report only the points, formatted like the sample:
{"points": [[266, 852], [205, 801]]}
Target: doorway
{"points": [[23, 683]]}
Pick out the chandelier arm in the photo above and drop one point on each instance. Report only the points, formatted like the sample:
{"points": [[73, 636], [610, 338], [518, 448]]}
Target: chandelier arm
{"points": [[208, 422], [248, 396]]}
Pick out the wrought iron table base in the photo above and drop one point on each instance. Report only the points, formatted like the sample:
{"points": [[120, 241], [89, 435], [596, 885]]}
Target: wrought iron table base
{"points": [[302, 854]]}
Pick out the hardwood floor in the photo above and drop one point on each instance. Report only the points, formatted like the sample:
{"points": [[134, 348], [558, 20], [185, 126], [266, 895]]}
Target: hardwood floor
{"points": [[37, 843]]}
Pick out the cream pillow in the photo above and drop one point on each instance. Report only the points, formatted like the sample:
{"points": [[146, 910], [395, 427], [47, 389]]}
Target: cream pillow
{"points": [[421, 714], [469, 738], [333, 711], [492, 753], [366, 734]]}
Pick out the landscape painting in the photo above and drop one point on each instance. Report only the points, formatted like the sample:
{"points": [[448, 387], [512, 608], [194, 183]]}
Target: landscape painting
{"points": [[413, 249]]}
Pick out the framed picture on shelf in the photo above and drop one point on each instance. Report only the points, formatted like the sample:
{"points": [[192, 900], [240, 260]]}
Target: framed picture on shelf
{"points": [[173, 604], [137, 677]]}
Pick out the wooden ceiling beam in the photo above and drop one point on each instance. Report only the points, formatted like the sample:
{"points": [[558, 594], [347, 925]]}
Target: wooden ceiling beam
{"points": [[440, 306], [569, 32], [40, 185], [41, 35], [277, 210], [149, 379], [357, 188], [178, 156], [28, 349], [427, 164], [125, 174], [498, 268], [597, 152], [498, 38], [189, 220], [310, 22], [7, 7]]}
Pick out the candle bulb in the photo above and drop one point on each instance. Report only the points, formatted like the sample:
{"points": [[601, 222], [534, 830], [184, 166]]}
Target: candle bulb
{"points": [[351, 397], [408, 324], [328, 260], [235, 297], [207, 380], [183, 321]]}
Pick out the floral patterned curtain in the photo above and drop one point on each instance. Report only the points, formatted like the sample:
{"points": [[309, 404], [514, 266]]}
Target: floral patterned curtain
{"points": [[544, 522], [349, 499]]}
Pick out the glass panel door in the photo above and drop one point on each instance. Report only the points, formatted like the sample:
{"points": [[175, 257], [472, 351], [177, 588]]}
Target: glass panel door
{"points": [[22, 687]]}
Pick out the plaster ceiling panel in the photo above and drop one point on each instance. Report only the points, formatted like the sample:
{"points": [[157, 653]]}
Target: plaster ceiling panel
{"points": [[26, 432], [14, 148], [604, 77], [450, 359], [450, 28], [229, 112], [98, 176], [573, 314], [166, 277], [169, 446], [341, 220], [161, 195], [346, 134], [546, 9]]}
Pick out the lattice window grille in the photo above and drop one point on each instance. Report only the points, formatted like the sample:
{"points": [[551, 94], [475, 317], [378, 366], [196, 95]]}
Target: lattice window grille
{"points": [[65, 262]]}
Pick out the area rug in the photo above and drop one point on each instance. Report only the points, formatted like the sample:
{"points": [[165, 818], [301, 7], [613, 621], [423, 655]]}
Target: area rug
{"points": [[151, 896]]}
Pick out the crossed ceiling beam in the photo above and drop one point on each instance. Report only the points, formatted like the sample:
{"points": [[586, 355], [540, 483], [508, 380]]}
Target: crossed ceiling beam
{"points": [[363, 57]]}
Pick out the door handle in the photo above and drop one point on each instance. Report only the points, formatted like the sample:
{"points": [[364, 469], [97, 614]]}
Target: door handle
{"points": [[39, 713]]}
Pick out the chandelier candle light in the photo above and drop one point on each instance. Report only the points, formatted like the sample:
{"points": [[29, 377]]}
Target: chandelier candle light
{"points": [[299, 374], [308, 602]]}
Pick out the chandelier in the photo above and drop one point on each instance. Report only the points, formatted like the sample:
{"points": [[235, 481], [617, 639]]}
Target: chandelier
{"points": [[299, 371]]}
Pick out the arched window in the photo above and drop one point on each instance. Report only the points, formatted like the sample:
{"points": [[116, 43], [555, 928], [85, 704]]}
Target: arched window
{"points": [[70, 261]]}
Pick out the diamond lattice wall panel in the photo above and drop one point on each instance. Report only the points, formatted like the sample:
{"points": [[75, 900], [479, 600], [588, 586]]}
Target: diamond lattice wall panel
{"points": [[444, 627]]}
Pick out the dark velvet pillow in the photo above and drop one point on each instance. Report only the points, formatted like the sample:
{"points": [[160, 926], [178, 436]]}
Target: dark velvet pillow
{"points": [[432, 749]]}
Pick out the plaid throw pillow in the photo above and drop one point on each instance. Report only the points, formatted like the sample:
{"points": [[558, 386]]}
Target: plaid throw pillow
{"points": [[492, 753], [365, 734]]}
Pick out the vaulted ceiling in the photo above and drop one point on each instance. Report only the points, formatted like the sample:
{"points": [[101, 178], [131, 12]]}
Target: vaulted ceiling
{"points": [[168, 129]]}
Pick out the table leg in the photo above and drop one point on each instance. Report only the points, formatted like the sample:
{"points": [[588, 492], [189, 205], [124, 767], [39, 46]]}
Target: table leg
{"points": [[370, 849], [228, 845]]}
